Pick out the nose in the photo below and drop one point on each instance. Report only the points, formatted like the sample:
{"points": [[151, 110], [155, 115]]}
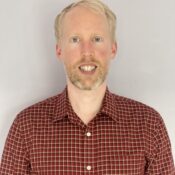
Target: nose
{"points": [[87, 49]]}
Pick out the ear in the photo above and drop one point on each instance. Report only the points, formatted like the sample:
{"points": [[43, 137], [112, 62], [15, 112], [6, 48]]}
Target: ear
{"points": [[113, 50], [58, 50]]}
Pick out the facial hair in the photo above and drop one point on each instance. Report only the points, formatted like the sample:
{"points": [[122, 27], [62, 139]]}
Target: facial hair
{"points": [[89, 82]]}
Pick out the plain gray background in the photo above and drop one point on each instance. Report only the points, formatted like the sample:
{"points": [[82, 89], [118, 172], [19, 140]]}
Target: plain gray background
{"points": [[143, 69]]}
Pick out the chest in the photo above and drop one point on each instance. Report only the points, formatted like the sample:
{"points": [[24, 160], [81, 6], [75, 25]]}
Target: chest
{"points": [[104, 149]]}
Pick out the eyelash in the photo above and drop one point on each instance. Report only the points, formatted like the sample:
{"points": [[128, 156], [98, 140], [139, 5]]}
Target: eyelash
{"points": [[94, 39], [72, 39], [100, 39]]}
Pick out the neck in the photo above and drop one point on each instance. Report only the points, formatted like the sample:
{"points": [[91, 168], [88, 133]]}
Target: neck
{"points": [[86, 103]]}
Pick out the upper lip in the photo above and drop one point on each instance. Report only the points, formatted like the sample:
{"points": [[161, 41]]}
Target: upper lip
{"points": [[87, 64]]}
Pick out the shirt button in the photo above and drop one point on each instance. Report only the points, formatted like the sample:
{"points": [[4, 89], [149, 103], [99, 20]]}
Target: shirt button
{"points": [[88, 168], [88, 134]]}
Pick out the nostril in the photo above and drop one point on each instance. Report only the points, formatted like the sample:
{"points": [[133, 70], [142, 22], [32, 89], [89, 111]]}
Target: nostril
{"points": [[87, 54]]}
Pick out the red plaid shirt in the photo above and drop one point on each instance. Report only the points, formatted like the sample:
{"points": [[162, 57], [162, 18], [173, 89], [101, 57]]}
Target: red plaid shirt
{"points": [[125, 138]]}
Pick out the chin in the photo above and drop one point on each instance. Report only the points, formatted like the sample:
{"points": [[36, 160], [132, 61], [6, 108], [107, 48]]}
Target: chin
{"points": [[88, 87]]}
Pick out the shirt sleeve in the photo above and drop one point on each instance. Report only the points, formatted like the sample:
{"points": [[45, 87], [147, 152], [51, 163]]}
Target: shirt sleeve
{"points": [[160, 159], [14, 159]]}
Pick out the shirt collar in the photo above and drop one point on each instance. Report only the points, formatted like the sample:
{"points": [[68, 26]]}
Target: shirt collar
{"points": [[63, 107], [109, 106], [61, 104]]}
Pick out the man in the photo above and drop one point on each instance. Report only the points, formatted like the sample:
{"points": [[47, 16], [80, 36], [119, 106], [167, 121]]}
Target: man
{"points": [[86, 129]]}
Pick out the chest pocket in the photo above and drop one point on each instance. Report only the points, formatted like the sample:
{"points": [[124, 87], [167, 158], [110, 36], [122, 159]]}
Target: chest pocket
{"points": [[129, 164]]}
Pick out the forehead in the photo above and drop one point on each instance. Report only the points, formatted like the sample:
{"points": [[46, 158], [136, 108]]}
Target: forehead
{"points": [[84, 16]]}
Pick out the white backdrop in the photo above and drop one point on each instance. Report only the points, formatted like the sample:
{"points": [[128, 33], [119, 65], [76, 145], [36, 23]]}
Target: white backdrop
{"points": [[143, 69]]}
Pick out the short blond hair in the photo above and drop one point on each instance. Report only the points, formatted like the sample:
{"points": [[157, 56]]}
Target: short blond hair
{"points": [[95, 5]]}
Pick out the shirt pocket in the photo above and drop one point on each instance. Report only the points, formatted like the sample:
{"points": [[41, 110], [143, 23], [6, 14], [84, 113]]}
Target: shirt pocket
{"points": [[127, 164]]}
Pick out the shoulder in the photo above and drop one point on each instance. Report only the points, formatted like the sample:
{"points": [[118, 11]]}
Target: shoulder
{"points": [[140, 117], [39, 111], [133, 110]]}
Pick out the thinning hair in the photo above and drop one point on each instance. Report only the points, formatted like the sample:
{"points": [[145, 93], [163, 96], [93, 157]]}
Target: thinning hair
{"points": [[95, 5]]}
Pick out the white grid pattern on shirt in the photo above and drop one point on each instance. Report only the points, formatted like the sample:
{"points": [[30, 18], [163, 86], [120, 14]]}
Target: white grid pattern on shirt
{"points": [[127, 138]]}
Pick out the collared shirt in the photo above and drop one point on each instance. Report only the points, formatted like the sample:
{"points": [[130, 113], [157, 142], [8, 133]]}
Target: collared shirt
{"points": [[124, 138]]}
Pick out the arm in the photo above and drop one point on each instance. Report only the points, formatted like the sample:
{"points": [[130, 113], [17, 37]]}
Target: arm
{"points": [[15, 157], [160, 159]]}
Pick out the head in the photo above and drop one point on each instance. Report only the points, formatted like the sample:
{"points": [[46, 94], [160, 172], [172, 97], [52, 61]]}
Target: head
{"points": [[86, 42]]}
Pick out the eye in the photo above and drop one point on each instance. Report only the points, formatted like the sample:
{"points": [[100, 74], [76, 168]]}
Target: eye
{"points": [[97, 39], [75, 39]]}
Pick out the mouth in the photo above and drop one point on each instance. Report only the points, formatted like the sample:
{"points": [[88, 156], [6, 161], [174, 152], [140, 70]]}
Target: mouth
{"points": [[88, 68]]}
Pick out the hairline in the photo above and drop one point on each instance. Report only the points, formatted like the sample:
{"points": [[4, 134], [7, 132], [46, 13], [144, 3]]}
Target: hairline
{"points": [[101, 9]]}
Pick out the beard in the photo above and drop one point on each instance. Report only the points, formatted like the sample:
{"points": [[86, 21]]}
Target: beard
{"points": [[87, 82]]}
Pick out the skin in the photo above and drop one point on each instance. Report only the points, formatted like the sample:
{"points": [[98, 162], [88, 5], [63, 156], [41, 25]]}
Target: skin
{"points": [[85, 41]]}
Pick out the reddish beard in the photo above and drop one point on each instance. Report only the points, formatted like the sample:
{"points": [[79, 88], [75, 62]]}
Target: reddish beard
{"points": [[88, 82]]}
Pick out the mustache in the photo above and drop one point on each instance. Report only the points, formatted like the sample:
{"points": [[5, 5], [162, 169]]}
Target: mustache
{"points": [[87, 60]]}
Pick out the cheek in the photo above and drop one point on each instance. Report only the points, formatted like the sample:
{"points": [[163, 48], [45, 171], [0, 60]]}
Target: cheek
{"points": [[103, 53], [70, 55]]}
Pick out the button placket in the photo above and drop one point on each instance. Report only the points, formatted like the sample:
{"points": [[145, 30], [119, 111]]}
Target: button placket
{"points": [[88, 150], [88, 167], [88, 134]]}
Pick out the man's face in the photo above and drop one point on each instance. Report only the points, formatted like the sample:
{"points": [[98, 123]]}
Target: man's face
{"points": [[85, 47]]}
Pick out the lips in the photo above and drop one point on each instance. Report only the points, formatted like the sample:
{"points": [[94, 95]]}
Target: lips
{"points": [[87, 68]]}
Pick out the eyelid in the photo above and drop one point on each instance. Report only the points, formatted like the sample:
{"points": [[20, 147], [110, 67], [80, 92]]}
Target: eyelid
{"points": [[74, 37], [98, 37]]}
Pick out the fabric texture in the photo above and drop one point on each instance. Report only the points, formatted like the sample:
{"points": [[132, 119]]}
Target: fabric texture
{"points": [[125, 138]]}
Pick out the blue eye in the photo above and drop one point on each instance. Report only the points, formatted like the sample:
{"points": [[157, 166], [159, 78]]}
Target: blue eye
{"points": [[75, 39], [97, 39]]}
